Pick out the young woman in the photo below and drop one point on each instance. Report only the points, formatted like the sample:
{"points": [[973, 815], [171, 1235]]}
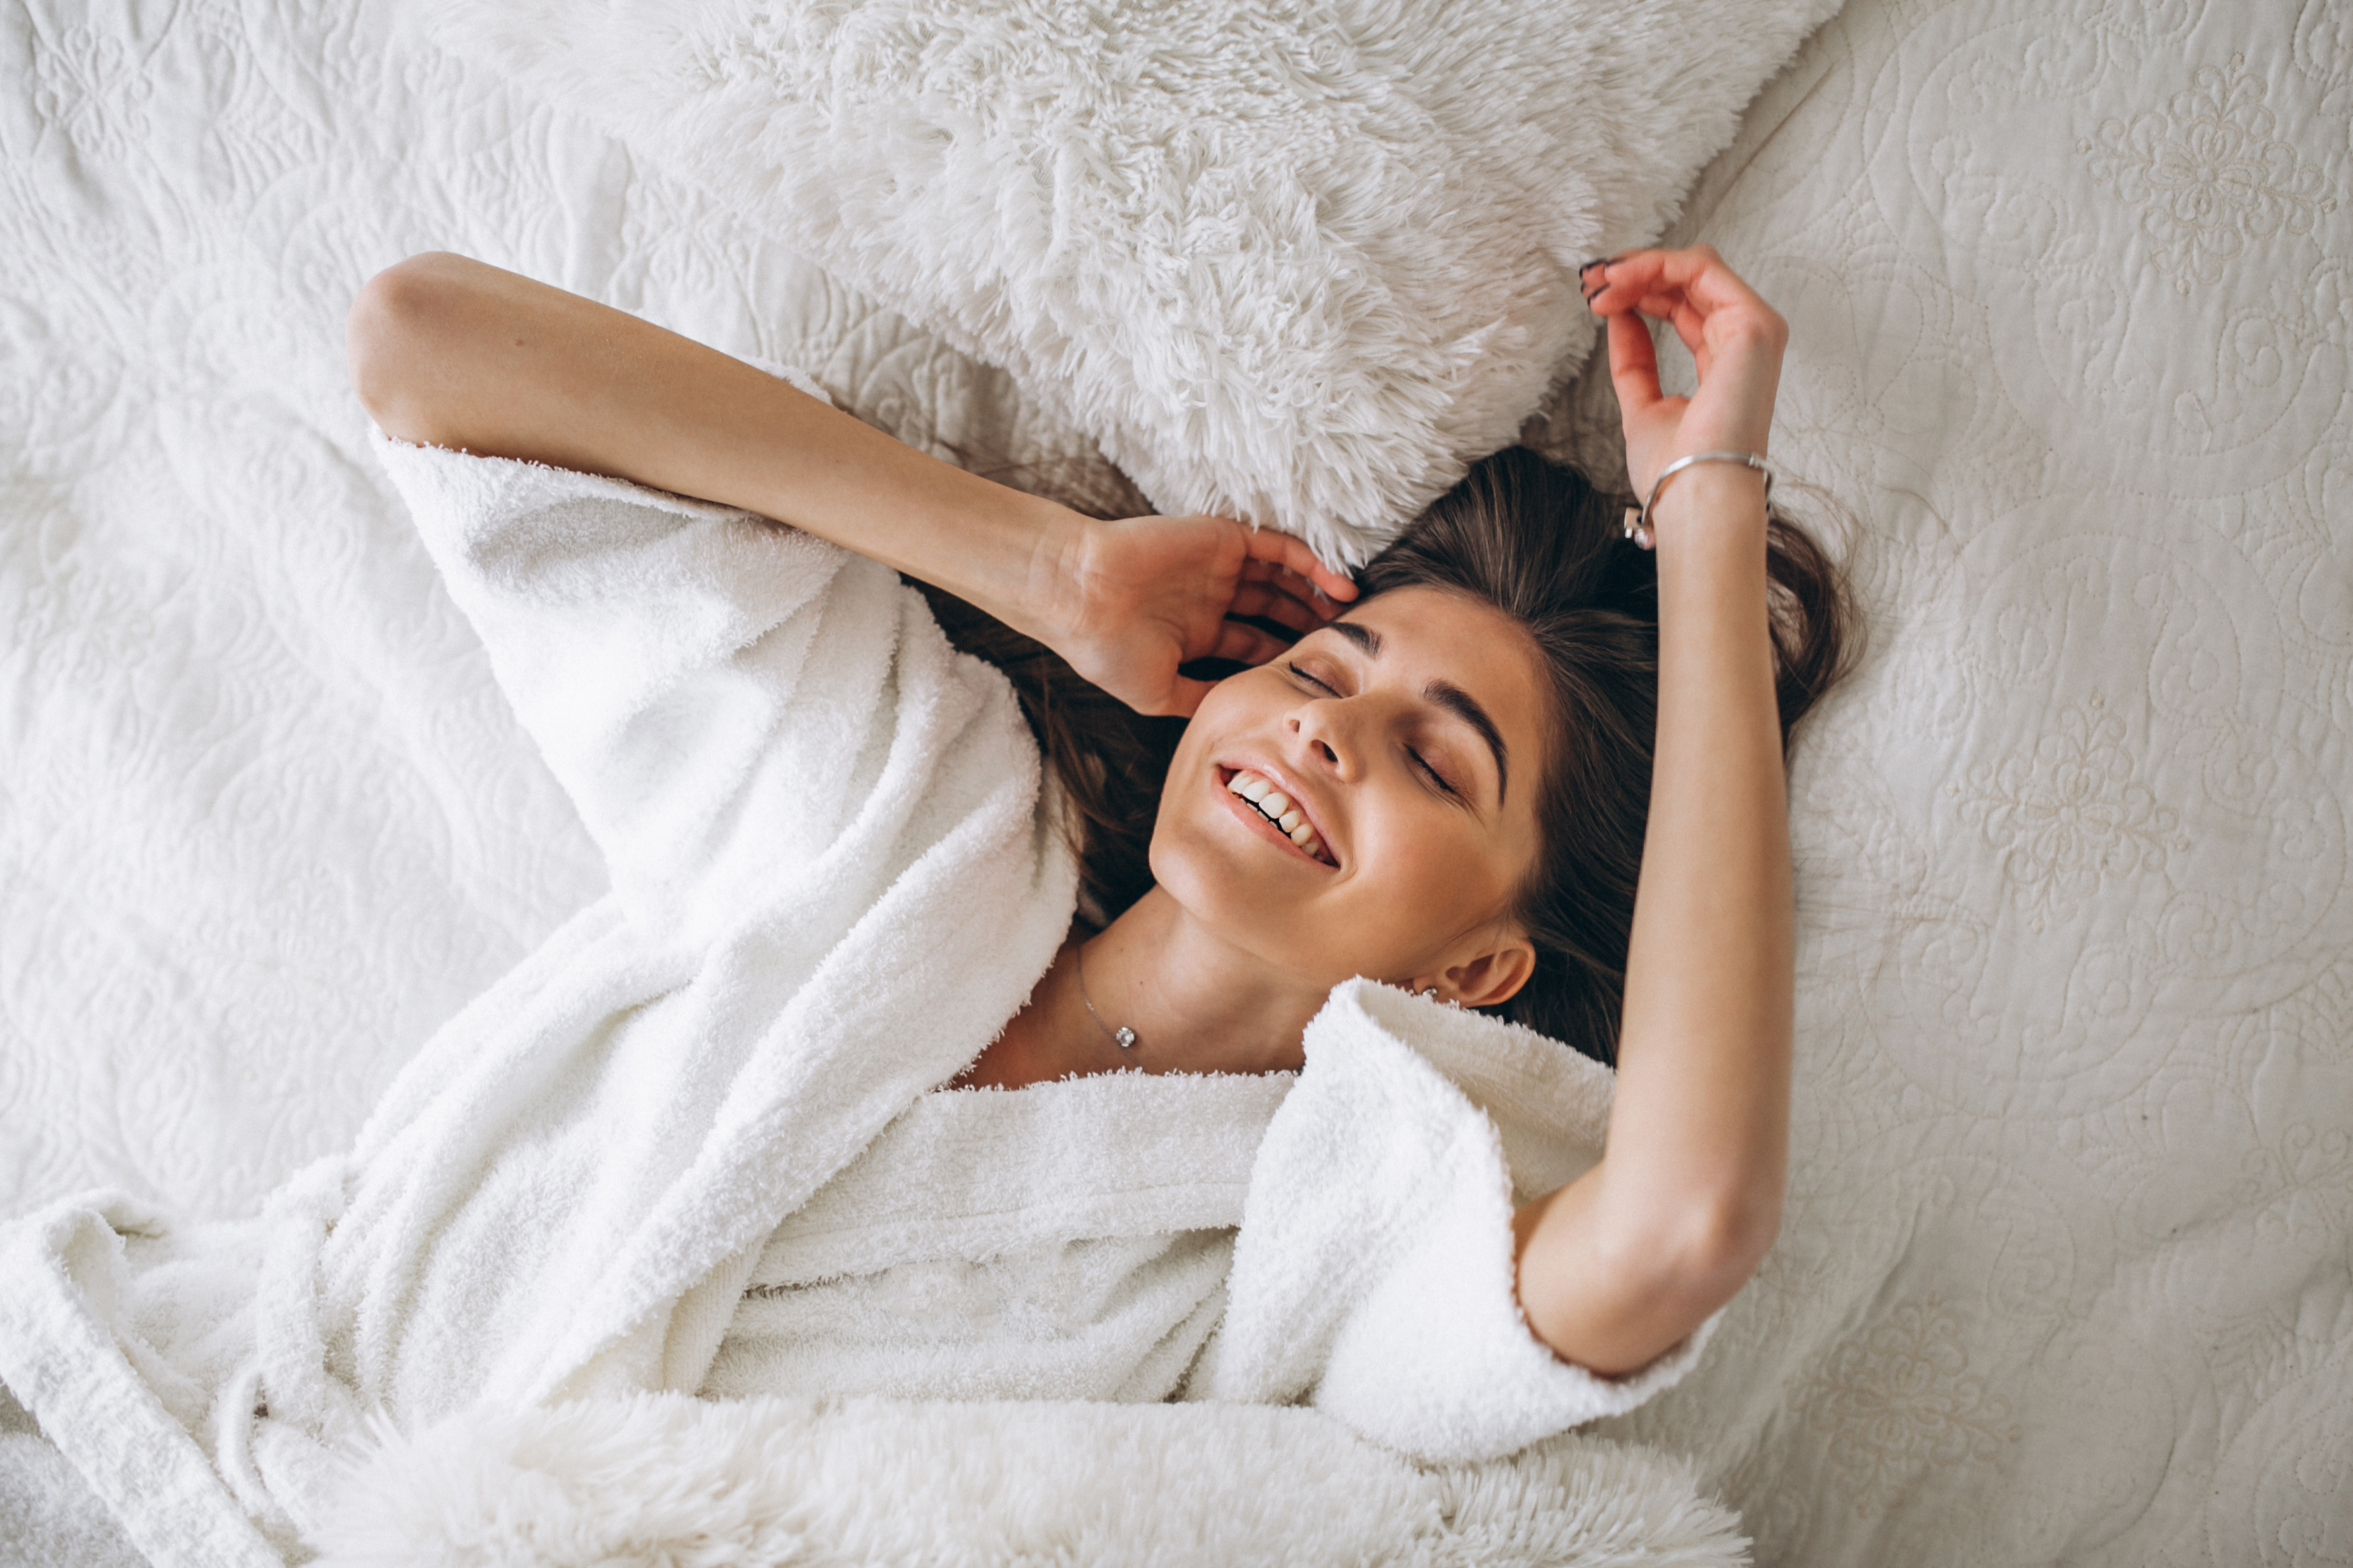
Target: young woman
{"points": [[1465, 747], [1520, 770]]}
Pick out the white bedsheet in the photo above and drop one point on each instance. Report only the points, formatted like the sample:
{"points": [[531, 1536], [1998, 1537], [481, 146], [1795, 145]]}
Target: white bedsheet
{"points": [[2067, 1272], [2068, 1268]]}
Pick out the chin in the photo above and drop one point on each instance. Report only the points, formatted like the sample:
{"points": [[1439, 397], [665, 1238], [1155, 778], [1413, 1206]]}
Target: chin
{"points": [[1237, 877], [1240, 890], [1207, 881]]}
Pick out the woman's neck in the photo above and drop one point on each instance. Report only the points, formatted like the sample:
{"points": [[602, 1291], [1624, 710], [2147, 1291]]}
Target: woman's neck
{"points": [[1195, 1002]]}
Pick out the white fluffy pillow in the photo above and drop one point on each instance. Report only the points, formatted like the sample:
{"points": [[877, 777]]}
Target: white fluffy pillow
{"points": [[1295, 261]]}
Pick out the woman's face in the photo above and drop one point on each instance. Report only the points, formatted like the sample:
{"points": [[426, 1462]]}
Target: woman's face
{"points": [[1407, 736]]}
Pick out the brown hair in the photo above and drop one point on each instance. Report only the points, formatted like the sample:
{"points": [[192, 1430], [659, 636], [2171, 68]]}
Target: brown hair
{"points": [[1540, 543], [1110, 760]]}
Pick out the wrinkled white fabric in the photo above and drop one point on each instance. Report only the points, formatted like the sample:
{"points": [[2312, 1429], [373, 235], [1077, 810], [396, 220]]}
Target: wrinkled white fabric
{"points": [[791, 775], [1344, 1241], [1065, 1241], [1374, 1269], [832, 882]]}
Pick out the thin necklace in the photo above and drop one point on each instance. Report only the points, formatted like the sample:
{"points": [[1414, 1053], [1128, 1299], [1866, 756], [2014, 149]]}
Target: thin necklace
{"points": [[1122, 1036]]}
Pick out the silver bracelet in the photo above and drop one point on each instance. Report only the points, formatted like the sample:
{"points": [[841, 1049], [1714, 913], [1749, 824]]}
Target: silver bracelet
{"points": [[1638, 519]]}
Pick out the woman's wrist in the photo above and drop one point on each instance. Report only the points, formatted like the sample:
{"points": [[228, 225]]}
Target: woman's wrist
{"points": [[1709, 527], [1037, 592], [1711, 500], [1002, 550]]}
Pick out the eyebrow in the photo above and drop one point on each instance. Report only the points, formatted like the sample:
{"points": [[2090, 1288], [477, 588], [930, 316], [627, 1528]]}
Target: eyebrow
{"points": [[1446, 695], [1465, 707]]}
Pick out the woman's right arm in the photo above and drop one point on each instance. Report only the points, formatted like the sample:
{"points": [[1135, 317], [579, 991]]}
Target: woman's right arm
{"points": [[447, 352]]}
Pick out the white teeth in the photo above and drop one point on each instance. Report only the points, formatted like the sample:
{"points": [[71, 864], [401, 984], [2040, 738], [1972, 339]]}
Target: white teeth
{"points": [[1276, 807]]}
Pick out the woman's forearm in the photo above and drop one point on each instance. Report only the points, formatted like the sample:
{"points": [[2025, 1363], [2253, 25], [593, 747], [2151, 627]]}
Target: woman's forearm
{"points": [[1703, 1050], [1624, 1263], [453, 352]]}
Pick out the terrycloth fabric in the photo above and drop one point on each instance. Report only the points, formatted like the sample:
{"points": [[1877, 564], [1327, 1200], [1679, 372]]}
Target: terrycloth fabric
{"points": [[1374, 1273], [1296, 263], [791, 775], [1079, 1241], [1066, 1241], [833, 882], [48, 1514], [2075, 977]]}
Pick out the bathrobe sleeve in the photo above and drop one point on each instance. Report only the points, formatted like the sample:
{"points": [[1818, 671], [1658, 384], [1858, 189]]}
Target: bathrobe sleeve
{"points": [[1373, 1275], [704, 683]]}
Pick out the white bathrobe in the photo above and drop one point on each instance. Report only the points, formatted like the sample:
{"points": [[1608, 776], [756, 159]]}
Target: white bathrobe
{"points": [[696, 1141]]}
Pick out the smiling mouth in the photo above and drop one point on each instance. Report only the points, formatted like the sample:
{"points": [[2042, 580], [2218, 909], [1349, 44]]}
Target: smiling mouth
{"points": [[1263, 795]]}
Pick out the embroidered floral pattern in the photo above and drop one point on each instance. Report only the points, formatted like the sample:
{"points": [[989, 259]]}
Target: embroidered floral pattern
{"points": [[2070, 814], [2299, 1188], [89, 87], [2207, 174], [1898, 1401]]}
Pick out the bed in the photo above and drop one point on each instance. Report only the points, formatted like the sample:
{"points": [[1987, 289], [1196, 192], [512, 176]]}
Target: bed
{"points": [[2065, 1273], [2067, 1269]]}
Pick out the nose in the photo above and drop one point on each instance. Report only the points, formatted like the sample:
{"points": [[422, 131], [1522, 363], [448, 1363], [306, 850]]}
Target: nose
{"points": [[1326, 729]]}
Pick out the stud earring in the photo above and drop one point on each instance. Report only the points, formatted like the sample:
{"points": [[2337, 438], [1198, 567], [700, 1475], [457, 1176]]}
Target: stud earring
{"points": [[1429, 994]]}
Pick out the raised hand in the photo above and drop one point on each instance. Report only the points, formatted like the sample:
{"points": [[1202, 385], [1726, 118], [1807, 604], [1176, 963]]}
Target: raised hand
{"points": [[1128, 601], [1734, 338]]}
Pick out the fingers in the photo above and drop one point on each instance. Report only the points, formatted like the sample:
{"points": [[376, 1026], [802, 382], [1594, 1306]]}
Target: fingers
{"points": [[1280, 608], [1235, 642], [1243, 645], [1276, 594], [1633, 363], [1293, 555], [1641, 278], [1693, 290]]}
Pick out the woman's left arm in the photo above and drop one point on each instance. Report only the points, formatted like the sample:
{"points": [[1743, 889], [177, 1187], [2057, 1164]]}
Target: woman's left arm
{"points": [[1624, 1263], [452, 352]]}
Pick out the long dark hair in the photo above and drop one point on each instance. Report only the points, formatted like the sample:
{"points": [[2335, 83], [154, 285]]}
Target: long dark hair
{"points": [[1540, 543], [1110, 760]]}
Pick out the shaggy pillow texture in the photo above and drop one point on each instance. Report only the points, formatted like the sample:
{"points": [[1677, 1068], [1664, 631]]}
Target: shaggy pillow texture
{"points": [[668, 1481], [1291, 260]]}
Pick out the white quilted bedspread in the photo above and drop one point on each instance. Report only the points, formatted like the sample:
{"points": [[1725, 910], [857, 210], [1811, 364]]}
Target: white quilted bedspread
{"points": [[2068, 1270], [2067, 1274]]}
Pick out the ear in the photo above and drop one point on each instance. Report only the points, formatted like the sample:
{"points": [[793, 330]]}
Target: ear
{"points": [[1491, 976]]}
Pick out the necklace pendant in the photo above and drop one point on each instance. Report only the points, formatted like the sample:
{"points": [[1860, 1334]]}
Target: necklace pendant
{"points": [[1125, 1037]]}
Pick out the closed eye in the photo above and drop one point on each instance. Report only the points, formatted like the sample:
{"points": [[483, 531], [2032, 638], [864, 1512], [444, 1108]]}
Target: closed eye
{"points": [[1444, 694], [1319, 685], [1419, 761], [1435, 776]]}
